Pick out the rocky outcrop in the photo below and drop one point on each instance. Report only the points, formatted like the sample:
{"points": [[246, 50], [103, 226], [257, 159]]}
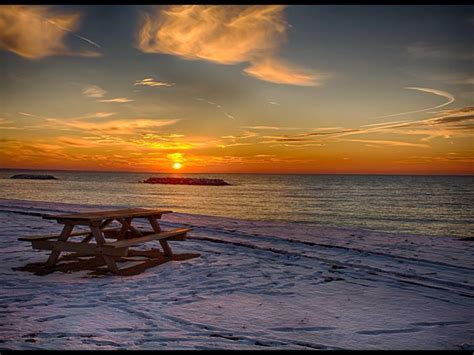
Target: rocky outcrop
{"points": [[185, 181], [33, 177]]}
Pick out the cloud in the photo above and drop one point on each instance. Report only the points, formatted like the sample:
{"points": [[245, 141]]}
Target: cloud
{"points": [[222, 34], [280, 72], [117, 99], [35, 32], [26, 114], [228, 115], [99, 115], [225, 34], [97, 92], [118, 126], [465, 114], [448, 124], [176, 157], [455, 123], [388, 142], [422, 50], [162, 142], [151, 82], [269, 128], [93, 91], [450, 99], [462, 81]]}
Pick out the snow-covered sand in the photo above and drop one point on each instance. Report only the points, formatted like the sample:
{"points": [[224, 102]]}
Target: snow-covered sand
{"points": [[256, 285]]}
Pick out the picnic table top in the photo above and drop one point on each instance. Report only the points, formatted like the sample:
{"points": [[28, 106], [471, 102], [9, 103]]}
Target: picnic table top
{"points": [[100, 215]]}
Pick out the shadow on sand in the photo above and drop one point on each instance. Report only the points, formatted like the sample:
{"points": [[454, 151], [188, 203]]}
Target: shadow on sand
{"points": [[73, 262]]}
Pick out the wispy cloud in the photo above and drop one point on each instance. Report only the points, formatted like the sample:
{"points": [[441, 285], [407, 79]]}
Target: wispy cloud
{"points": [[116, 126], [451, 75], [152, 82], [323, 129], [269, 128], [450, 99], [93, 91], [117, 100], [246, 135], [100, 123], [228, 115], [26, 114], [468, 80], [96, 92], [385, 123], [423, 50], [36, 31], [280, 72], [448, 124], [389, 143], [226, 35], [99, 114]]}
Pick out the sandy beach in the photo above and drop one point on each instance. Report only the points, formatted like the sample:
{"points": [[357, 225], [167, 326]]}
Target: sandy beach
{"points": [[255, 285]]}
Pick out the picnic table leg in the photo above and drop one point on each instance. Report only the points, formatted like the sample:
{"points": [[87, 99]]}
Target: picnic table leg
{"points": [[97, 233], [157, 229], [124, 228], [127, 225], [66, 232], [102, 226]]}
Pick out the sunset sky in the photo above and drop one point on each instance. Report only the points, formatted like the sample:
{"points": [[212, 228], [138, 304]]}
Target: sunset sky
{"points": [[221, 89]]}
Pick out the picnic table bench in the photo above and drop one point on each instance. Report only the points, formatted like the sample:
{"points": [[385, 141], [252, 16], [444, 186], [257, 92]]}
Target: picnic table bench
{"points": [[125, 236]]}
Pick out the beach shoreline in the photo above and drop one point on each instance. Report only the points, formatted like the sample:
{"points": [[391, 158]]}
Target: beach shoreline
{"points": [[256, 285]]}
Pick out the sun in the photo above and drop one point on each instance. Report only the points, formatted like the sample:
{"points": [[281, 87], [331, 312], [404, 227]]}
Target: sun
{"points": [[177, 166]]}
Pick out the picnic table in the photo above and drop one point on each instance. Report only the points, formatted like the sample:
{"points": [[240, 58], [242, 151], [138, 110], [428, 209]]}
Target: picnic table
{"points": [[124, 236]]}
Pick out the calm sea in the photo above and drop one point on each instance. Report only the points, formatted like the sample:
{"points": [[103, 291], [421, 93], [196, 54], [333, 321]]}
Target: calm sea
{"points": [[433, 205]]}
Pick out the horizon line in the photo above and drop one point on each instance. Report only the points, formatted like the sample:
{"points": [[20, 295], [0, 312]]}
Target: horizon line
{"points": [[242, 173]]}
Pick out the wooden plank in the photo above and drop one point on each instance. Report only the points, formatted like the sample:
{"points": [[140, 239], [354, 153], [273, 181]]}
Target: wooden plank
{"points": [[154, 224], [127, 225], [56, 236], [87, 239], [97, 233], [163, 242], [147, 238], [106, 223], [90, 236], [78, 248], [111, 264], [100, 215], [66, 232], [51, 236], [123, 230]]}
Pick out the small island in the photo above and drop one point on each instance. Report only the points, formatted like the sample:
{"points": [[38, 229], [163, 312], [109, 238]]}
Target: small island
{"points": [[33, 177], [185, 181]]}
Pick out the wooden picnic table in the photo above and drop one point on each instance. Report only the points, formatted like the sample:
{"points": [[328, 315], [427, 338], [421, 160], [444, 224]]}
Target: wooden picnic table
{"points": [[125, 236]]}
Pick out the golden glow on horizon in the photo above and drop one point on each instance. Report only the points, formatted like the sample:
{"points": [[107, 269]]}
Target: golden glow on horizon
{"points": [[436, 145]]}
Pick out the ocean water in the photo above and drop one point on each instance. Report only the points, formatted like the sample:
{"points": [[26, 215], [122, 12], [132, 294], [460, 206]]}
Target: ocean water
{"points": [[429, 205]]}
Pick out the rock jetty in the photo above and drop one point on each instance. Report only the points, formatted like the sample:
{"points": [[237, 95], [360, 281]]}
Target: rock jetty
{"points": [[33, 177], [185, 181]]}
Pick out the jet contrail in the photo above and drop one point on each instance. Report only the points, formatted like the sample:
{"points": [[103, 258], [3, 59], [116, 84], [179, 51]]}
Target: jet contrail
{"points": [[228, 115], [444, 94], [76, 35]]}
